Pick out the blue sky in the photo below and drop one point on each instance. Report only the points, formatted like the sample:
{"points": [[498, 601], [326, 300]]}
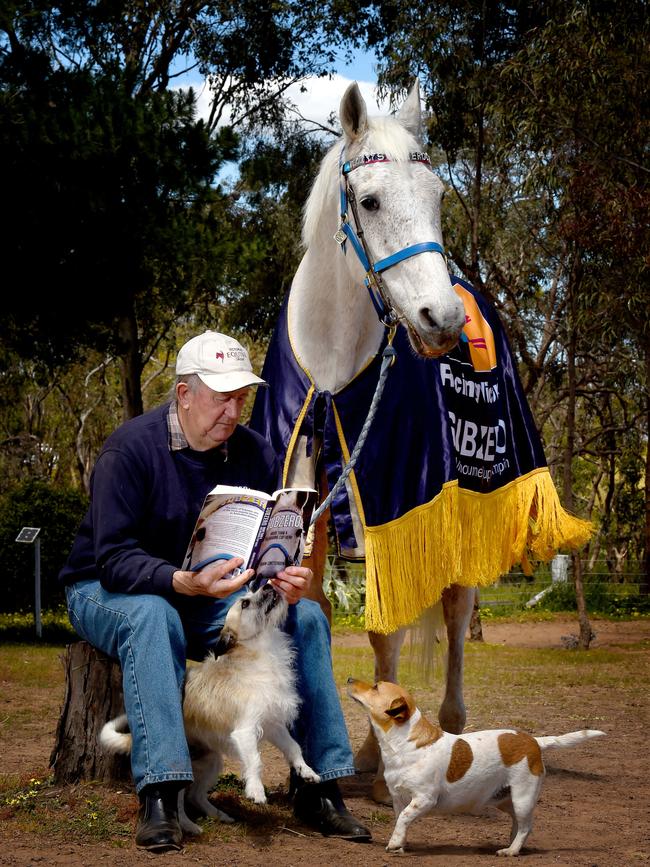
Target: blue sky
{"points": [[322, 95]]}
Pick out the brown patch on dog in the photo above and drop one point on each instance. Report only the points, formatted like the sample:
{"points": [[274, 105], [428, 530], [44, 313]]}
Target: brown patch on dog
{"points": [[460, 761], [398, 711], [424, 733], [516, 746]]}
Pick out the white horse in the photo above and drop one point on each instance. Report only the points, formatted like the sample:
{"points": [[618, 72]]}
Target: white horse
{"points": [[334, 327]]}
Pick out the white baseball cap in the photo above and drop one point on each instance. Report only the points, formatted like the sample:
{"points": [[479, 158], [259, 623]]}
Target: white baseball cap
{"points": [[221, 362]]}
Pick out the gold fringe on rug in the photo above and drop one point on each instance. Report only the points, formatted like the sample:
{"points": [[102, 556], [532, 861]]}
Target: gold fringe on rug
{"points": [[453, 540]]}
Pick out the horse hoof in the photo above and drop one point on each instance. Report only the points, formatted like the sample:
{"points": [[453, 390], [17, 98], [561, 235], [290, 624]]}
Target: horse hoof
{"points": [[380, 794], [452, 718]]}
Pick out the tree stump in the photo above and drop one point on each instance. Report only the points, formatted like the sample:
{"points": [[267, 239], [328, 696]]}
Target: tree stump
{"points": [[93, 695]]}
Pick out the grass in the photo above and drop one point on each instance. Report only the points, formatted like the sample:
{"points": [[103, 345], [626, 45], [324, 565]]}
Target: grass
{"points": [[31, 665], [531, 671], [530, 688]]}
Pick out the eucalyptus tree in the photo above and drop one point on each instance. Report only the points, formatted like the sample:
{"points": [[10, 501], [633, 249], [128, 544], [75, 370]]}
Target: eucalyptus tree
{"points": [[275, 179], [574, 104], [117, 222], [539, 118]]}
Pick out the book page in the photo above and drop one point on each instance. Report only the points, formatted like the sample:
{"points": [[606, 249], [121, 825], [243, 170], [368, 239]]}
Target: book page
{"points": [[283, 543], [228, 525]]}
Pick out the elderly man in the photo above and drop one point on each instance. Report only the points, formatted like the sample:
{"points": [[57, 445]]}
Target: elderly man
{"points": [[128, 597]]}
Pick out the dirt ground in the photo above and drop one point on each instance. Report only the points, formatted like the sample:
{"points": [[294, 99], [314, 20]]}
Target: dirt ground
{"points": [[593, 810]]}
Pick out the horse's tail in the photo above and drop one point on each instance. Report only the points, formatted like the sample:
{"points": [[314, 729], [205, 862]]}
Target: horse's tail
{"points": [[571, 739], [428, 640], [115, 736]]}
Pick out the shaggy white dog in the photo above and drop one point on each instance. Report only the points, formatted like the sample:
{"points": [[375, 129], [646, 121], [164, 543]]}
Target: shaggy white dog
{"points": [[244, 692]]}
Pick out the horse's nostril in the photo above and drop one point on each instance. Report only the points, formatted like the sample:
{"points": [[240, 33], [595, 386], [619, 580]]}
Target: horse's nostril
{"points": [[428, 319]]}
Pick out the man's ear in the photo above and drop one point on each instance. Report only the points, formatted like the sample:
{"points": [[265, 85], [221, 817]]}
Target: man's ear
{"points": [[398, 710], [182, 388], [227, 640]]}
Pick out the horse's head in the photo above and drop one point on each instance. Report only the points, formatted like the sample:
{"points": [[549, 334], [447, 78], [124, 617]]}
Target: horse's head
{"points": [[394, 209]]}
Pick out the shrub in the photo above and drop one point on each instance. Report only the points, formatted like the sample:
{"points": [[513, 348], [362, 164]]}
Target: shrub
{"points": [[600, 598], [58, 511]]}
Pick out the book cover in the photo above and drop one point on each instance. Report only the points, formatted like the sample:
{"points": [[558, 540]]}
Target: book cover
{"points": [[268, 531]]}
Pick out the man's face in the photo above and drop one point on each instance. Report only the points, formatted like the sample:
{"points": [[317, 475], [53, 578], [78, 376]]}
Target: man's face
{"points": [[209, 417]]}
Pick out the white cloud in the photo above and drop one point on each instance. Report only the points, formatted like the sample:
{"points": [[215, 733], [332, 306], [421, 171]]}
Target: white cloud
{"points": [[315, 99], [322, 96]]}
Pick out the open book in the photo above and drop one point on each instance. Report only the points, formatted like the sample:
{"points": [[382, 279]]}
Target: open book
{"points": [[268, 531]]}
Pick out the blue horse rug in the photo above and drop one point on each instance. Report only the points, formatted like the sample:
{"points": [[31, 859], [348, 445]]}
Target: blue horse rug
{"points": [[451, 486]]}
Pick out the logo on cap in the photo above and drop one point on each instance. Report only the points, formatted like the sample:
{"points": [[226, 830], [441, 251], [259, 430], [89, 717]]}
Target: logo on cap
{"points": [[219, 355]]}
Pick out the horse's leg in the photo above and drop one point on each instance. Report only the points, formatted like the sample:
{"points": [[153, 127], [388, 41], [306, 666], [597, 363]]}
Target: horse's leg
{"points": [[368, 758], [316, 562], [317, 558], [457, 605]]}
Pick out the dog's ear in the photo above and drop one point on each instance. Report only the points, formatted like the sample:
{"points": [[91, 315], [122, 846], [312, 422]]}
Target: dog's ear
{"points": [[398, 710], [227, 640]]}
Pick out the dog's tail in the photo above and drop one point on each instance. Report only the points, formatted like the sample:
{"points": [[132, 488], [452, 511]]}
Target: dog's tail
{"points": [[571, 739], [115, 736]]}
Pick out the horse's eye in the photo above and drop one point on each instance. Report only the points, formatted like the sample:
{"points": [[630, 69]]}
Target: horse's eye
{"points": [[245, 603], [370, 203]]}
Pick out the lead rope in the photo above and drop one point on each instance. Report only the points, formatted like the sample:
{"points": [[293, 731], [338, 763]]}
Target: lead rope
{"points": [[387, 359]]}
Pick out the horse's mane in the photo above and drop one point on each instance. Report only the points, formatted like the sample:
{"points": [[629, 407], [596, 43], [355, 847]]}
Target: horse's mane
{"points": [[384, 135]]}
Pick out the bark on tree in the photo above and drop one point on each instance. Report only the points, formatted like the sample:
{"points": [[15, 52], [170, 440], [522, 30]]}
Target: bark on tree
{"points": [[645, 584], [583, 618], [93, 695], [130, 367]]}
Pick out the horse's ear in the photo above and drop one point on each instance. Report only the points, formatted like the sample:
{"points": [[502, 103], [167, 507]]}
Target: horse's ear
{"points": [[410, 114], [353, 113]]}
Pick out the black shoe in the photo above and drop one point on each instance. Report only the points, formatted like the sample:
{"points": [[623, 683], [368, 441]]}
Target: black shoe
{"points": [[321, 806], [158, 827]]}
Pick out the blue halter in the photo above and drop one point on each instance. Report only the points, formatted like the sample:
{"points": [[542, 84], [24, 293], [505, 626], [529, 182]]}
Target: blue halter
{"points": [[346, 232]]}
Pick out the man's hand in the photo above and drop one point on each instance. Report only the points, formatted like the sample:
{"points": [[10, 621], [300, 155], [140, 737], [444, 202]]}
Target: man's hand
{"points": [[210, 581], [293, 582]]}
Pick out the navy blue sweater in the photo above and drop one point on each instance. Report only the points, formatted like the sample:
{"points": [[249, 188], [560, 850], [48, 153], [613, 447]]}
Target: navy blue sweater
{"points": [[145, 499]]}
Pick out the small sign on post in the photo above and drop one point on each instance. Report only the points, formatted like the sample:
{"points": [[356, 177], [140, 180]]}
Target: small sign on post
{"points": [[29, 536]]}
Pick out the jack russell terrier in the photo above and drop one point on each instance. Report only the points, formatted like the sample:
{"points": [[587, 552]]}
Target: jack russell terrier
{"points": [[427, 769]]}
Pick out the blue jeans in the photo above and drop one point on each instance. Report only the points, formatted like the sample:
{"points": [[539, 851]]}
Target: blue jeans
{"points": [[151, 637]]}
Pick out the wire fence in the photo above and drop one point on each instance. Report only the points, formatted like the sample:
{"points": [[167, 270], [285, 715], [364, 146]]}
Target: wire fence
{"points": [[551, 585]]}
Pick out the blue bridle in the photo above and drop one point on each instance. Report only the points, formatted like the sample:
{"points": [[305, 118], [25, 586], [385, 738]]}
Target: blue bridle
{"points": [[346, 232]]}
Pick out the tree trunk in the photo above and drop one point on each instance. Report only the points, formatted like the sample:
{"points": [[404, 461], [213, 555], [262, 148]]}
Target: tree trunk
{"points": [[475, 625], [130, 366], [645, 583], [93, 695], [584, 639], [574, 282]]}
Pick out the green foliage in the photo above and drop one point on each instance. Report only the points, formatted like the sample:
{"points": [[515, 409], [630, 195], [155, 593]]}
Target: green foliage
{"points": [[58, 511], [274, 184], [77, 812], [347, 593], [539, 122], [112, 210], [118, 228], [606, 596], [20, 627], [601, 599]]}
